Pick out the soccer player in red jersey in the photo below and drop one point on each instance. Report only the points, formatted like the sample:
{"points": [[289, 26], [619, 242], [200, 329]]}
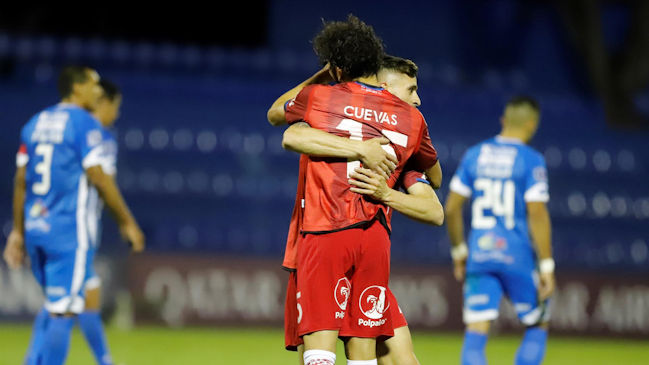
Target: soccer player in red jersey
{"points": [[345, 242], [398, 76]]}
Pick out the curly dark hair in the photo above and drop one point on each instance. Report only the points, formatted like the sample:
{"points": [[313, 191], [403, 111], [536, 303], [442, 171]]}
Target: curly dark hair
{"points": [[351, 46]]}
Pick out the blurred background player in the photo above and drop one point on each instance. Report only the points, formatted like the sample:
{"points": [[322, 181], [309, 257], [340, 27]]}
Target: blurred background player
{"points": [[354, 65], [509, 242], [59, 163], [106, 112], [399, 77]]}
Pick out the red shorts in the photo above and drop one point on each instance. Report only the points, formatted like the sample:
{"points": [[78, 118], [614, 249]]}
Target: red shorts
{"points": [[292, 340], [398, 319], [343, 283]]}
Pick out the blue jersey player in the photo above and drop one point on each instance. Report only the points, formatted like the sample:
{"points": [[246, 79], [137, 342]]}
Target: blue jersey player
{"points": [[509, 246], [60, 165], [106, 111]]}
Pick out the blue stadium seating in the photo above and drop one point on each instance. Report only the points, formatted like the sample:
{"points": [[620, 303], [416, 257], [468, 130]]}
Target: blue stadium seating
{"points": [[205, 172]]}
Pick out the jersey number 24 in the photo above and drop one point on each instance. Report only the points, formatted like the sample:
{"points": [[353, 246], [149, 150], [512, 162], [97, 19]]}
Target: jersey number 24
{"points": [[498, 196]]}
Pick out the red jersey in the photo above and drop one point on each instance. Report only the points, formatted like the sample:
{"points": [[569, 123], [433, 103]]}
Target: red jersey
{"points": [[290, 253], [359, 112], [406, 180]]}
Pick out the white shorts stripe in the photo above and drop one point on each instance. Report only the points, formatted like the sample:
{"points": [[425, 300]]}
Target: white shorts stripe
{"points": [[480, 316], [79, 273]]}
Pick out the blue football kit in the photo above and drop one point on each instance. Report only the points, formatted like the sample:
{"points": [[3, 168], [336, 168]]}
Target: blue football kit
{"points": [[62, 208], [500, 176]]}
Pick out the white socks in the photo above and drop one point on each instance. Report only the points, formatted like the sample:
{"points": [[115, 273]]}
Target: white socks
{"points": [[320, 357]]}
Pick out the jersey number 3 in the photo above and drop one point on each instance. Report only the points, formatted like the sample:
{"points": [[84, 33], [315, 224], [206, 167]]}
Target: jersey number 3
{"points": [[43, 168], [498, 196]]}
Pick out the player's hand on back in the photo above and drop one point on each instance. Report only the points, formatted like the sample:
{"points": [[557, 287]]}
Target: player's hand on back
{"points": [[546, 285], [374, 157], [132, 234], [367, 182], [14, 253]]}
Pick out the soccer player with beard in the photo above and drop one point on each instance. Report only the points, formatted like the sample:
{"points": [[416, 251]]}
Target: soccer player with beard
{"points": [[399, 77], [337, 232]]}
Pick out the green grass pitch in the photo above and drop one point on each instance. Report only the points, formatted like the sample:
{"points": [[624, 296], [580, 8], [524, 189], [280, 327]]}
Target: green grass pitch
{"points": [[160, 346]]}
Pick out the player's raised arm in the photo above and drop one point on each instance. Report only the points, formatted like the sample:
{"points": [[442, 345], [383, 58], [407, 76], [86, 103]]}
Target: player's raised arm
{"points": [[421, 203], [276, 114], [109, 192], [14, 252], [301, 138]]}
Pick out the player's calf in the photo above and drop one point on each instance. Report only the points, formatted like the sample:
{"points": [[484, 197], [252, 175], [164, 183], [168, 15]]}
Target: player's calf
{"points": [[532, 349], [320, 348], [397, 350], [475, 340], [57, 338], [92, 326]]}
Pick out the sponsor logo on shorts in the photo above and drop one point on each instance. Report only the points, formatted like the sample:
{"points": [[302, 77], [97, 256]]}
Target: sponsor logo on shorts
{"points": [[341, 293], [370, 323], [373, 302]]}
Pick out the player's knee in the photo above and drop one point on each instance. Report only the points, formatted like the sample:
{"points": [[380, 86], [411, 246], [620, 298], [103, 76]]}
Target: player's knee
{"points": [[479, 327], [93, 299], [360, 348]]}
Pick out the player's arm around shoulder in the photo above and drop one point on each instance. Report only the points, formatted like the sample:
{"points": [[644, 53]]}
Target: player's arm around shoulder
{"points": [[421, 203], [276, 114], [301, 138], [434, 175]]}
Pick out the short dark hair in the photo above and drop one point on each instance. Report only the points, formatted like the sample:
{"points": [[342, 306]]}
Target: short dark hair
{"points": [[111, 91], [520, 100], [401, 65], [69, 76], [350, 45]]}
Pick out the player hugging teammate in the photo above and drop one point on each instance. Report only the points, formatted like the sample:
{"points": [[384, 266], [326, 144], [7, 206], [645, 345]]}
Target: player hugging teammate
{"points": [[339, 233]]}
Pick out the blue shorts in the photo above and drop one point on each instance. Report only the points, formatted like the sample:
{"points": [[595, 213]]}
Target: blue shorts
{"points": [[483, 292], [62, 273]]}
